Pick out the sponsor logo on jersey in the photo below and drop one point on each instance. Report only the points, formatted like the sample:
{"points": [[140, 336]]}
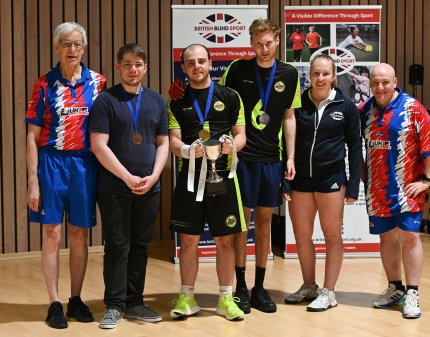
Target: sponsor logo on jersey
{"points": [[380, 144], [337, 115], [279, 86], [82, 111], [219, 106], [231, 221], [220, 28], [343, 59]]}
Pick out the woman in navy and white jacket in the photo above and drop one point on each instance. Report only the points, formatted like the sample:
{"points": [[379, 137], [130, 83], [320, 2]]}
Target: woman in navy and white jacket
{"points": [[326, 123]]}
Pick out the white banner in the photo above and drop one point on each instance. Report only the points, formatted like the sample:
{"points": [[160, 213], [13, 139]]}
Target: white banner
{"points": [[343, 32], [223, 29]]}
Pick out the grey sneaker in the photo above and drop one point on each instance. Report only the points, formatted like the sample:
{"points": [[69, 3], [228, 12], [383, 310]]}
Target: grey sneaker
{"points": [[305, 293], [142, 312], [325, 300], [111, 319], [389, 297]]}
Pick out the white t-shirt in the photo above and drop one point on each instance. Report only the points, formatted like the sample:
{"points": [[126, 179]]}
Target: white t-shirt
{"points": [[349, 41]]}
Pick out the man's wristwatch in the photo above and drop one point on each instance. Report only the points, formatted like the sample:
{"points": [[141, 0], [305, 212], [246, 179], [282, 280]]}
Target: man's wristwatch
{"points": [[425, 178]]}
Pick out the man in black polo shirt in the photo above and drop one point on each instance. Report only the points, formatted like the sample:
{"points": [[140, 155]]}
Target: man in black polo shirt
{"points": [[128, 126]]}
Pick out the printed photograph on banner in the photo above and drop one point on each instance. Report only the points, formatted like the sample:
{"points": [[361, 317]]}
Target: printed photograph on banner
{"points": [[305, 81], [356, 83], [361, 39], [302, 40]]}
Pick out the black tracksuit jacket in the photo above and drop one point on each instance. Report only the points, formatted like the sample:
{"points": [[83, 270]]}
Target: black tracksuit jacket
{"points": [[320, 146]]}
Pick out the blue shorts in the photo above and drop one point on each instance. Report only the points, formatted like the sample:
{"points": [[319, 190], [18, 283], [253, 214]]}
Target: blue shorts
{"points": [[68, 182], [260, 183], [408, 221]]}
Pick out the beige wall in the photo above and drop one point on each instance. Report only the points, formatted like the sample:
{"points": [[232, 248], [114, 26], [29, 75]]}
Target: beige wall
{"points": [[25, 41]]}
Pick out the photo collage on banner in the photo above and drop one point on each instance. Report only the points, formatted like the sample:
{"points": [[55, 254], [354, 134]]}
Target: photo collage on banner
{"points": [[223, 29], [351, 36]]}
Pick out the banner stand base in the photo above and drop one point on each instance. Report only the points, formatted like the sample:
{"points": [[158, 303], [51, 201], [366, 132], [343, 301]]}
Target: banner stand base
{"points": [[175, 260]]}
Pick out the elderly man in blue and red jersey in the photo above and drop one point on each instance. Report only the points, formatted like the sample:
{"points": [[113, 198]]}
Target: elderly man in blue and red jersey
{"points": [[61, 168], [396, 129]]}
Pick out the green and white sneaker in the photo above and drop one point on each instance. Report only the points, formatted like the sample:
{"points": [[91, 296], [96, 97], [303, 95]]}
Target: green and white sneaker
{"points": [[184, 306], [227, 307]]}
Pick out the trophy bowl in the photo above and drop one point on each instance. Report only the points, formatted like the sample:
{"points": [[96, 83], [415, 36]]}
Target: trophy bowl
{"points": [[212, 148]]}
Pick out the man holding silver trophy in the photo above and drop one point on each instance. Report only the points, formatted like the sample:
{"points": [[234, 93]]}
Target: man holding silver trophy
{"points": [[207, 123]]}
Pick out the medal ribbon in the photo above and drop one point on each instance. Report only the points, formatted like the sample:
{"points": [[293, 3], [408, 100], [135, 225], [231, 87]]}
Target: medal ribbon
{"points": [[265, 97], [134, 112], [234, 159], [192, 171], [208, 103]]}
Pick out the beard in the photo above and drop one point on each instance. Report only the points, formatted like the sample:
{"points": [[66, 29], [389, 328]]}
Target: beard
{"points": [[132, 82]]}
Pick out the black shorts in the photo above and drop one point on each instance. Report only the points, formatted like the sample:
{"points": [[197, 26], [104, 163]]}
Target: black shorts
{"points": [[332, 183], [223, 212]]}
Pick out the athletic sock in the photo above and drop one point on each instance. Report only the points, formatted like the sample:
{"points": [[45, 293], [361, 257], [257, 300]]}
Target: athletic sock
{"points": [[411, 287], [187, 290], [398, 284], [225, 290], [260, 272], [240, 277]]}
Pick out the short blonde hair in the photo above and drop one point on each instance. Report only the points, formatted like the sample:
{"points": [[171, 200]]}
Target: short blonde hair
{"points": [[263, 25]]}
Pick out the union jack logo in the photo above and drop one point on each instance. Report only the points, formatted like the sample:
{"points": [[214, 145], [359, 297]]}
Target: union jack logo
{"points": [[344, 59], [219, 28]]}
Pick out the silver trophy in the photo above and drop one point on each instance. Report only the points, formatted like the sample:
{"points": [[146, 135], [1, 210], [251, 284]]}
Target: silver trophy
{"points": [[212, 148]]}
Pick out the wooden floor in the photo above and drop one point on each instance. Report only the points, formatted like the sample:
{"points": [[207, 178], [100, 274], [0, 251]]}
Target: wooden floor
{"points": [[23, 301]]}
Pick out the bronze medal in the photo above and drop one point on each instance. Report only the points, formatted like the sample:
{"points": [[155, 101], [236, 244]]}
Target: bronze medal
{"points": [[204, 134], [136, 139], [264, 118]]}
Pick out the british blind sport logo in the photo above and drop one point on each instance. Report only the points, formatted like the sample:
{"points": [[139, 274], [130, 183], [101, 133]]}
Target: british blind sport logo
{"points": [[344, 59], [220, 28]]}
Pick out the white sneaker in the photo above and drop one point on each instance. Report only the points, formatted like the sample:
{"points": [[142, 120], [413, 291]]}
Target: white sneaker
{"points": [[306, 292], [324, 301], [411, 306], [389, 297]]}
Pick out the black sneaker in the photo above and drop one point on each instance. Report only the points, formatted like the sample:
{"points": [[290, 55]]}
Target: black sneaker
{"points": [[142, 312], [77, 309], [243, 295], [261, 300], [55, 318]]}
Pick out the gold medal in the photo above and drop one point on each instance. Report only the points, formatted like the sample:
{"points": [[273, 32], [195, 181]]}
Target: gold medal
{"points": [[136, 139], [204, 134]]}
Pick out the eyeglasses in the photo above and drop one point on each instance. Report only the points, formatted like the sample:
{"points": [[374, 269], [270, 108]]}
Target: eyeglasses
{"points": [[69, 44]]}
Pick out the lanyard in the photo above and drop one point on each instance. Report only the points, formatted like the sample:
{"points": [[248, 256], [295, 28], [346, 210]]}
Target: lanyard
{"points": [[134, 112], [208, 103], [265, 97]]}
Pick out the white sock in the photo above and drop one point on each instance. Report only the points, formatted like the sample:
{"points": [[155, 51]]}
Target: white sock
{"points": [[187, 290], [225, 290]]}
